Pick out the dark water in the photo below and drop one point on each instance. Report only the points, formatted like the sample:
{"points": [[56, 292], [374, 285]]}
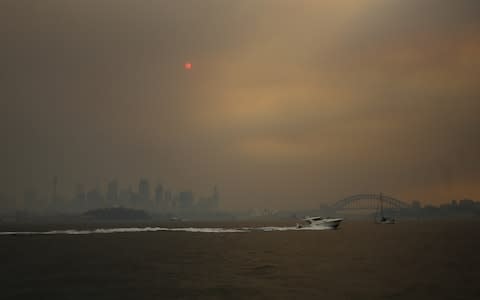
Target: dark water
{"points": [[410, 260]]}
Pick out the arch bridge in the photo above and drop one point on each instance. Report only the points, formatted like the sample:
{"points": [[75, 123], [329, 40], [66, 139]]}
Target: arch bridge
{"points": [[369, 201]]}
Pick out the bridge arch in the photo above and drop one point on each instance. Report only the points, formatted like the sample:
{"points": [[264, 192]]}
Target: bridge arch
{"points": [[389, 202]]}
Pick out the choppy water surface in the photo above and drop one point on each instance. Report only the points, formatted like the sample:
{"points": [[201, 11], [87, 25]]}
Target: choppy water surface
{"points": [[409, 260]]}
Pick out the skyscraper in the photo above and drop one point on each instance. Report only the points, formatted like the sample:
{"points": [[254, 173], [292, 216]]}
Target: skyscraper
{"points": [[112, 193], [94, 198], [80, 198], [159, 198], [215, 198], [168, 200], [185, 200], [144, 192], [209, 203]]}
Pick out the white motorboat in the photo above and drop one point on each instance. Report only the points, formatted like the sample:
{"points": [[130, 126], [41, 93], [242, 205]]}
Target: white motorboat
{"points": [[321, 222]]}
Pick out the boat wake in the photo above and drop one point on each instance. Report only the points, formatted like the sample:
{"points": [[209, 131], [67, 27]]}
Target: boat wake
{"points": [[153, 229], [285, 228]]}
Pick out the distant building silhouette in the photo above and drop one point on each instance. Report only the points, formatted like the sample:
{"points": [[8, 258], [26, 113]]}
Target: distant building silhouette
{"points": [[185, 200], [160, 202], [209, 203], [144, 192], [125, 197], [215, 198], [416, 204], [94, 198], [79, 200], [466, 203], [170, 202], [112, 193]]}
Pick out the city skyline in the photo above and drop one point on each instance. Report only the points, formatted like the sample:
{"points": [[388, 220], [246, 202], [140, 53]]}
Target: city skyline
{"points": [[145, 195], [157, 197]]}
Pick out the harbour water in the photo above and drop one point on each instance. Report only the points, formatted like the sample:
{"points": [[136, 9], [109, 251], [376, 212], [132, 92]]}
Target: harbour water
{"points": [[361, 260]]}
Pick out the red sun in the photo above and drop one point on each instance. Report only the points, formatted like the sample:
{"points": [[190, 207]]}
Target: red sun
{"points": [[187, 65]]}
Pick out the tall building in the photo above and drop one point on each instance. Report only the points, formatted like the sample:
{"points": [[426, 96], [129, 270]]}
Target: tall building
{"points": [[144, 191], [79, 198], [185, 200], [209, 203], [169, 200], [112, 193], [215, 198], [94, 198], [159, 197], [125, 197]]}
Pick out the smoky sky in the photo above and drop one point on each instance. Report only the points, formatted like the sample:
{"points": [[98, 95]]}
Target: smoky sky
{"points": [[289, 104]]}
